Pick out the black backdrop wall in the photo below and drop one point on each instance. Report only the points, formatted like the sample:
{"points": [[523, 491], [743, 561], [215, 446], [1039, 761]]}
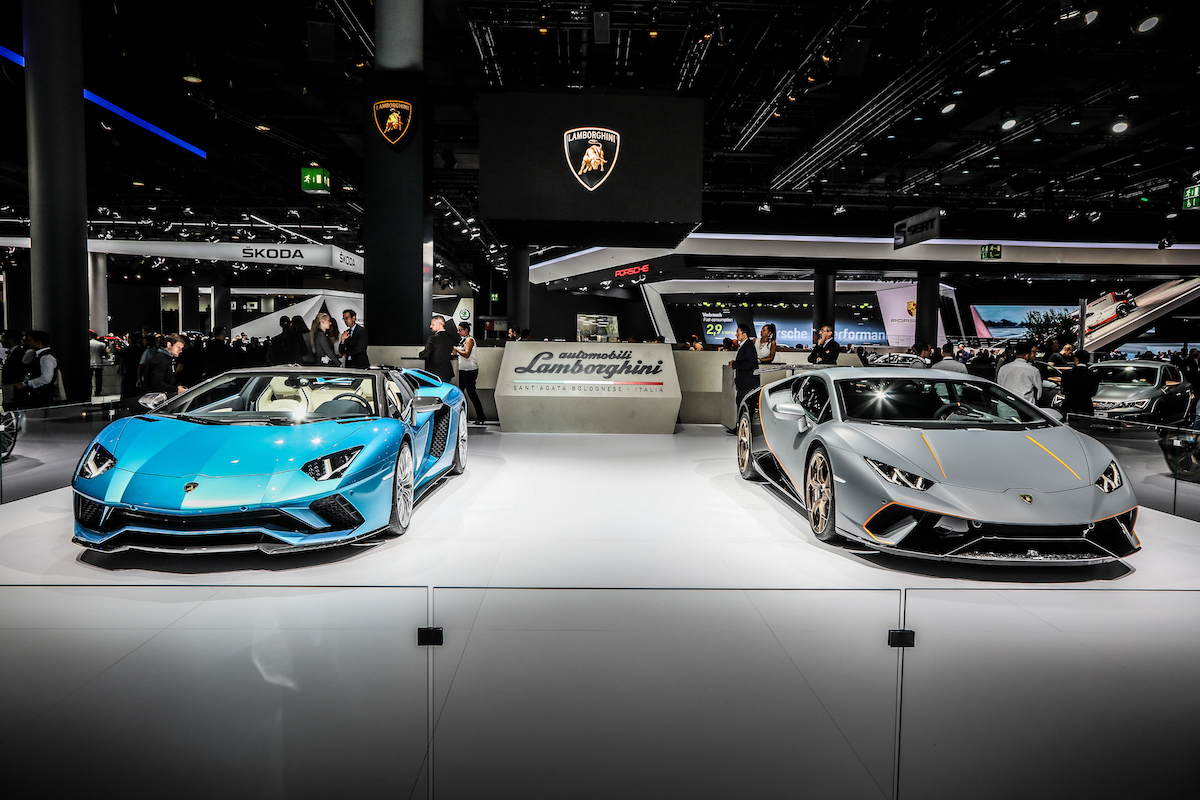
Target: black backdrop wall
{"points": [[552, 314]]}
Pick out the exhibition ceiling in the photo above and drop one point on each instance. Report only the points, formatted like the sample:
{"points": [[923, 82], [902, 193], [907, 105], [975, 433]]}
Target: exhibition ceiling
{"points": [[1021, 118]]}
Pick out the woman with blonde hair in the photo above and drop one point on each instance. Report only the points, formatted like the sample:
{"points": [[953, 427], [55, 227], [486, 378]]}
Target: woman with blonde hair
{"points": [[319, 343]]}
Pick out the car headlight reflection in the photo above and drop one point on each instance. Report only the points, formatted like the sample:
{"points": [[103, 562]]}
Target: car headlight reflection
{"points": [[900, 477], [331, 466], [1110, 480], [97, 461]]}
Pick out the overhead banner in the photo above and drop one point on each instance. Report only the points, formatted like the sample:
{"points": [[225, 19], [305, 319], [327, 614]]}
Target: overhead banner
{"points": [[301, 255], [899, 310], [924, 226]]}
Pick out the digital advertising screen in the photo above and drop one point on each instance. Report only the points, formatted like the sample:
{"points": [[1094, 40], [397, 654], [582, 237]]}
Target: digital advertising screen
{"points": [[591, 158], [857, 320], [1008, 321]]}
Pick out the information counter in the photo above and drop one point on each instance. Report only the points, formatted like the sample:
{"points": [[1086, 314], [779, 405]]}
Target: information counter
{"points": [[489, 359], [587, 387]]}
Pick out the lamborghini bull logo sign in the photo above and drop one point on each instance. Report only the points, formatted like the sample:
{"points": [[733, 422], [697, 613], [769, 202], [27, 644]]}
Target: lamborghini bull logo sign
{"points": [[393, 119], [591, 154]]}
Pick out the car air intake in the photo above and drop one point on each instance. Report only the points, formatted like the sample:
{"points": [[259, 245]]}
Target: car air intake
{"points": [[88, 513], [441, 432], [337, 511]]}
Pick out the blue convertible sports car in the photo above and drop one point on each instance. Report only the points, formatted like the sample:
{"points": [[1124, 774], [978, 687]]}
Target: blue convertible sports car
{"points": [[275, 459]]}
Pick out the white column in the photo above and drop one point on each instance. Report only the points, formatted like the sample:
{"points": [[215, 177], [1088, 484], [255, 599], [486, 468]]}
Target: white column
{"points": [[98, 292], [399, 34]]}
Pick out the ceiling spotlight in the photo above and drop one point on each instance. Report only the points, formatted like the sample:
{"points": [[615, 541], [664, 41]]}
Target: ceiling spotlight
{"points": [[193, 77], [1146, 24], [1172, 214], [986, 69], [1090, 16], [1167, 241], [1120, 123], [764, 207], [1008, 122], [1020, 215], [1094, 216], [262, 127], [946, 109], [1071, 215], [839, 209]]}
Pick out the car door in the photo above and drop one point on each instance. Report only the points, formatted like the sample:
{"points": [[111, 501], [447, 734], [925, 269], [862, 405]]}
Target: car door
{"points": [[1175, 395]]}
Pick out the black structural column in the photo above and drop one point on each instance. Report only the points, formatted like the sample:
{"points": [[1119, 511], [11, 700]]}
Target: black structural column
{"points": [[518, 289], [222, 311], [58, 183], [824, 292], [398, 273], [928, 304]]}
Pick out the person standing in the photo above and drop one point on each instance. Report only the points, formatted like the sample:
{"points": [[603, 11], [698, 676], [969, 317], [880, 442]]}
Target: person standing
{"points": [[439, 349], [319, 343], [1078, 386], [826, 350], [744, 366], [127, 363], [96, 353], [468, 368], [1021, 377], [950, 362], [40, 385], [354, 341], [160, 370], [765, 347], [219, 356]]}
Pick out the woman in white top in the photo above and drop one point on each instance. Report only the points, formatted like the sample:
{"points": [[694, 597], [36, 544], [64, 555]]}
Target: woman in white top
{"points": [[468, 368], [766, 344]]}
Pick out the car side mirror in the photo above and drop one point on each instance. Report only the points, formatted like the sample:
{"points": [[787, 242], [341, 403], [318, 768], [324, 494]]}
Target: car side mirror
{"points": [[790, 411], [152, 400], [1053, 413], [422, 404]]}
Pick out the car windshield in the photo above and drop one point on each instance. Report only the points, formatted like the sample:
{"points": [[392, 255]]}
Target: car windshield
{"points": [[1138, 376], [935, 403], [275, 398]]}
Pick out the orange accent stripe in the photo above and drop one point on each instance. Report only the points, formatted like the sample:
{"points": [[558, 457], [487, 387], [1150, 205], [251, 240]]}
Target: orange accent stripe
{"points": [[935, 458], [1056, 458]]}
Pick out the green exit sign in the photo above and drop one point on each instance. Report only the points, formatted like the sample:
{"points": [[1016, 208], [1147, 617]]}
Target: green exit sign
{"points": [[314, 180], [1191, 197], [495, 297], [988, 251]]}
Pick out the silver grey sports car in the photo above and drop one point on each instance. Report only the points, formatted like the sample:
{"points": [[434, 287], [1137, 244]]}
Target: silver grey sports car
{"points": [[936, 465], [1141, 391]]}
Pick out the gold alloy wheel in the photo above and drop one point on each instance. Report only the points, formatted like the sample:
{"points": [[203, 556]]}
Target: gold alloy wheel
{"points": [[818, 491], [743, 443]]}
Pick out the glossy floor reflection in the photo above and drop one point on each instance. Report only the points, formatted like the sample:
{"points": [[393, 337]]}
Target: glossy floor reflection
{"points": [[623, 616]]}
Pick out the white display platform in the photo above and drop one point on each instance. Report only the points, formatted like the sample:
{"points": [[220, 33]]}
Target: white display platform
{"points": [[623, 616], [587, 387]]}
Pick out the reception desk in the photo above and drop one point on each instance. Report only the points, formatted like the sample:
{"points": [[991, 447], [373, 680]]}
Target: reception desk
{"points": [[489, 359], [587, 387]]}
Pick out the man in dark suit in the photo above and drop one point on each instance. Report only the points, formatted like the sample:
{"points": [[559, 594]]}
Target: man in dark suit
{"points": [[439, 349], [826, 350], [744, 366], [354, 341]]}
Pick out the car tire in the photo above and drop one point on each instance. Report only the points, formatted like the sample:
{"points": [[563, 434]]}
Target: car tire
{"points": [[818, 495], [1123, 310], [403, 490], [9, 429], [745, 449], [460, 445]]}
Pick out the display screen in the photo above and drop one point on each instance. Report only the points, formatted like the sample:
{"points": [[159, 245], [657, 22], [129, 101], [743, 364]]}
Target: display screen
{"points": [[856, 320], [590, 158], [1007, 322]]}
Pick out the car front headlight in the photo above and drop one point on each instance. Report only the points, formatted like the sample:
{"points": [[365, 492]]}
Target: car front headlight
{"points": [[1110, 480], [900, 477], [97, 461], [331, 466]]}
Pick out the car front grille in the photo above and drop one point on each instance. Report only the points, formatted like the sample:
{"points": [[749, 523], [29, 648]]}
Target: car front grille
{"points": [[337, 511], [441, 432], [269, 519], [989, 540]]}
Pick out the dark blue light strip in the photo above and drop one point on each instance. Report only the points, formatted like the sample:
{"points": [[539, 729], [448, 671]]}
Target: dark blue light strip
{"points": [[18, 59]]}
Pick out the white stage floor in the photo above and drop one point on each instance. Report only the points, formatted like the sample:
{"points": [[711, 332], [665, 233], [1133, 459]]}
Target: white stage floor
{"points": [[623, 616]]}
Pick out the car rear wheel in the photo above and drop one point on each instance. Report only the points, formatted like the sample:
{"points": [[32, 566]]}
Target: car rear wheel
{"points": [[745, 451], [402, 491], [9, 425], [818, 495], [460, 447]]}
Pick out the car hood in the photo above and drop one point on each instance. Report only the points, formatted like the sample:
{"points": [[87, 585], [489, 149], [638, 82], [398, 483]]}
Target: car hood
{"points": [[1050, 459], [1111, 392], [169, 447]]}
